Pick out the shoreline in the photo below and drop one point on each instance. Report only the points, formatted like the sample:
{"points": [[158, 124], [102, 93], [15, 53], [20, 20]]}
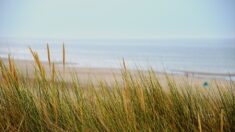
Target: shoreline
{"points": [[72, 65]]}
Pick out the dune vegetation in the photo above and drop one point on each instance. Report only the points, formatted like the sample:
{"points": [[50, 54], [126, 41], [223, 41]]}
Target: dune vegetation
{"points": [[138, 103]]}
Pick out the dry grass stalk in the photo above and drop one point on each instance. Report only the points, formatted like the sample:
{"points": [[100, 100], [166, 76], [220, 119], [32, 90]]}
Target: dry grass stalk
{"points": [[12, 68], [5, 77], [1, 64], [125, 101], [48, 55], [63, 55], [4, 73], [222, 120], [1, 67], [199, 123], [38, 62], [140, 94], [10, 63], [55, 111], [53, 72]]}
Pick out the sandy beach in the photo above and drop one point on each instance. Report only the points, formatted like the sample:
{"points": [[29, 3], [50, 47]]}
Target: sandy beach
{"points": [[110, 75]]}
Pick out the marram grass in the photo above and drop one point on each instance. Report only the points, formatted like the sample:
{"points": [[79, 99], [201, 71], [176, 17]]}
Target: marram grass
{"points": [[138, 103]]}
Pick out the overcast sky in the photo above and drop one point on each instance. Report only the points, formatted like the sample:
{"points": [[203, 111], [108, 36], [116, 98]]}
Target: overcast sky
{"points": [[117, 18]]}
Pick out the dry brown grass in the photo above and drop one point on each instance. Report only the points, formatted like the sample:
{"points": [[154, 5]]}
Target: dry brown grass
{"points": [[140, 104]]}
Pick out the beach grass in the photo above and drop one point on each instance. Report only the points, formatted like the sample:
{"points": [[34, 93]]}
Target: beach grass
{"points": [[140, 102]]}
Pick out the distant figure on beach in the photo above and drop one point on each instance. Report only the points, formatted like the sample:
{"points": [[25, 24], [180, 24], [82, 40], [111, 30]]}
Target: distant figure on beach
{"points": [[205, 84]]}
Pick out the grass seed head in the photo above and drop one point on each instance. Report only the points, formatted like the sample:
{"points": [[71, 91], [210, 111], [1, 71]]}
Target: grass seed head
{"points": [[38, 63]]}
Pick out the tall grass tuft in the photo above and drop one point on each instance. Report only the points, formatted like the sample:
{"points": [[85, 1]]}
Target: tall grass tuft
{"points": [[141, 101], [38, 63]]}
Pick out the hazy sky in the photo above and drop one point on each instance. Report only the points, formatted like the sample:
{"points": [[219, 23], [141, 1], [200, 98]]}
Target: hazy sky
{"points": [[117, 18]]}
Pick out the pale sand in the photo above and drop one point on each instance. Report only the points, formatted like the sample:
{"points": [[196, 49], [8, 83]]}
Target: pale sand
{"points": [[108, 75]]}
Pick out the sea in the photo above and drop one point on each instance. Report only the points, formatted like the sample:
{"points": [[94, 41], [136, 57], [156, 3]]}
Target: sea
{"points": [[169, 55]]}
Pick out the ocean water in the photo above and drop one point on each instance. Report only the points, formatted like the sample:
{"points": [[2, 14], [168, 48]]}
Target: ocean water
{"points": [[199, 55]]}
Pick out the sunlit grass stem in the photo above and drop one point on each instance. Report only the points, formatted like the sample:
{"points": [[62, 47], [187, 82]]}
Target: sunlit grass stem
{"points": [[48, 55], [63, 55]]}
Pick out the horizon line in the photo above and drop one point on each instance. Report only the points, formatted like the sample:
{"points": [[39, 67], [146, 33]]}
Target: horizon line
{"points": [[120, 38]]}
